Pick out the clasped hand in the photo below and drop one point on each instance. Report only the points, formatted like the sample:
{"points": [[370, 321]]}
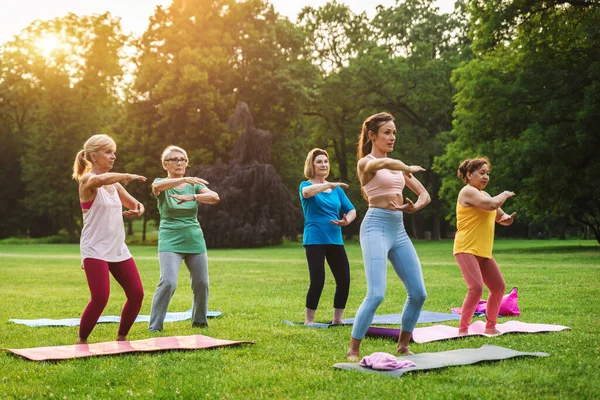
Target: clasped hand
{"points": [[134, 212], [506, 219], [341, 222], [408, 207]]}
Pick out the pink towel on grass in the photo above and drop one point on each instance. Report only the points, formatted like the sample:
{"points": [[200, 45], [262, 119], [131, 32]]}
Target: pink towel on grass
{"points": [[385, 362]]}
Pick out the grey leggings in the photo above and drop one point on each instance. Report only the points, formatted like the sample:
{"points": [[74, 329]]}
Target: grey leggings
{"points": [[170, 263]]}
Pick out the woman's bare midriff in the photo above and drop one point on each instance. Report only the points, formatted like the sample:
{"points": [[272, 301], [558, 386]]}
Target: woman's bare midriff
{"points": [[386, 201]]}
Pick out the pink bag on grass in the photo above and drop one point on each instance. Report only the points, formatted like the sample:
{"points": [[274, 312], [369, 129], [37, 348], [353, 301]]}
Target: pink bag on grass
{"points": [[508, 308], [510, 304]]}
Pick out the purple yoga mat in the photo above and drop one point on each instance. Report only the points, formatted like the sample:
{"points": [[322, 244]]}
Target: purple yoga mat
{"points": [[443, 332]]}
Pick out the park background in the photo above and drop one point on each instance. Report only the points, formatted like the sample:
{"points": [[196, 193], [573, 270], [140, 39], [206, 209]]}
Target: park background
{"points": [[518, 82], [248, 91]]}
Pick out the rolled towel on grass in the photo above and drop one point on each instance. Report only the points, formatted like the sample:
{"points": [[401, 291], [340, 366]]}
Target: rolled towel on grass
{"points": [[385, 362]]}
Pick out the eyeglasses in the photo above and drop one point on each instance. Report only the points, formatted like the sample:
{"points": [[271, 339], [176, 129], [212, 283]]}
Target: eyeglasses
{"points": [[177, 160]]}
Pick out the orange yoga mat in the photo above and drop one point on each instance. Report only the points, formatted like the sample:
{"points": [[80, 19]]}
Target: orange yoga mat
{"points": [[193, 342]]}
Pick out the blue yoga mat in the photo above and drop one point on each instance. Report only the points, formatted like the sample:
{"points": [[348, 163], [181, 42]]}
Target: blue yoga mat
{"points": [[389, 319], [170, 317]]}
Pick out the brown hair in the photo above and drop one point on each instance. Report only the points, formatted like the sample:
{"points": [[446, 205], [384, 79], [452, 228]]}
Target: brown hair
{"points": [[371, 124], [83, 162], [471, 165], [309, 169]]}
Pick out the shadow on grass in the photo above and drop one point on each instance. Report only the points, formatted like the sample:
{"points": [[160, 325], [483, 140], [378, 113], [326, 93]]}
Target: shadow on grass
{"points": [[551, 249]]}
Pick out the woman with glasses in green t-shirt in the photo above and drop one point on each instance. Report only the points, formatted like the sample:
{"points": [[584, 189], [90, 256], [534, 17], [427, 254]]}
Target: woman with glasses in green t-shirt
{"points": [[180, 236]]}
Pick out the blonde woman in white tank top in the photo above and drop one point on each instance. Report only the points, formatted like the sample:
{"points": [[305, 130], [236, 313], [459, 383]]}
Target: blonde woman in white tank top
{"points": [[103, 248]]}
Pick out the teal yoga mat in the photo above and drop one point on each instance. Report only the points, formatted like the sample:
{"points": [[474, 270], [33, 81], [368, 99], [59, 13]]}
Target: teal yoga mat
{"points": [[170, 317]]}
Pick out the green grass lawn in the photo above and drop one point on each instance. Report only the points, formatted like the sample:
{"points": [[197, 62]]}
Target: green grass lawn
{"points": [[558, 281]]}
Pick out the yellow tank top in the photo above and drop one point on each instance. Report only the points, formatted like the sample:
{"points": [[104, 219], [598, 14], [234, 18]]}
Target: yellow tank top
{"points": [[475, 231]]}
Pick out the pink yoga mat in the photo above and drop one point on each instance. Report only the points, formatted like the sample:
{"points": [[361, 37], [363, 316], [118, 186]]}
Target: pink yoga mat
{"points": [[193, 342], [443, 332]]}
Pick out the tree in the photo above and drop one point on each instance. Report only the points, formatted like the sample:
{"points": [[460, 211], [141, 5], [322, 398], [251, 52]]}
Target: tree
{"points": [[196, 60], [401, 61], [255, 207], [56, 98], [13, 220], [529, 100]]}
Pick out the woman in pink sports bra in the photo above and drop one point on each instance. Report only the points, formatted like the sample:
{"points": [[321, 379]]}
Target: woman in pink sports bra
{"points": [[102, 242], [382, 233]]}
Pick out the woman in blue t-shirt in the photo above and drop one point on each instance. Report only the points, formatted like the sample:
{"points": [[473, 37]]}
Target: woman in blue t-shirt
{"points": [[322, 203]]}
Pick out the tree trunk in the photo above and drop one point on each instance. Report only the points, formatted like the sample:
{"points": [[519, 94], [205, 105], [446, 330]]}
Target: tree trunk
{"points": [[144, 227], [435, 203], [562, 229], [340, 156], [586, 232], [71, 227]]}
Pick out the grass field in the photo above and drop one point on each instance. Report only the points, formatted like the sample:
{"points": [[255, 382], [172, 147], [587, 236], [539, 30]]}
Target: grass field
{"points": [[558, 281]]}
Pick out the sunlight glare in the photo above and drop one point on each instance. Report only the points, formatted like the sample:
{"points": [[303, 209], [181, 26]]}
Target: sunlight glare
{"points": [[48, 44]]}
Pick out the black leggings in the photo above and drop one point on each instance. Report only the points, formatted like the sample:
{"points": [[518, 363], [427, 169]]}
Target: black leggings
{"points": [[338, 263]]}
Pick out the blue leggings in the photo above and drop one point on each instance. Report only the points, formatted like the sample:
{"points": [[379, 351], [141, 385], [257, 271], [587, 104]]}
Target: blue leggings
{"points": [[382, 236]]}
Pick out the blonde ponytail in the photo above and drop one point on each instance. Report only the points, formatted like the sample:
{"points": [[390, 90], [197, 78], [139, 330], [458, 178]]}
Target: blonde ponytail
{"points": [[83, 162], [81, 165]]}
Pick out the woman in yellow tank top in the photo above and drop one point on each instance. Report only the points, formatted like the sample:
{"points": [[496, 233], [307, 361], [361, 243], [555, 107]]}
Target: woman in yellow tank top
{"points": [[476, 214]]}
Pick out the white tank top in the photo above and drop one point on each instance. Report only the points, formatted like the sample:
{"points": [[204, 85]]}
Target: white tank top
{"points": [[103, 233]]}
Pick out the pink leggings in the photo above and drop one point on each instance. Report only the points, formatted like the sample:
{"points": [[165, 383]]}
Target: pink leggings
{"points": [[126, 274], [477, 271]]}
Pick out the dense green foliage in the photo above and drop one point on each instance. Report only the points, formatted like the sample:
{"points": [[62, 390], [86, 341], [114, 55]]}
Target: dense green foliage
{"points": [[516, 81], [530, 100], [257, 289]]}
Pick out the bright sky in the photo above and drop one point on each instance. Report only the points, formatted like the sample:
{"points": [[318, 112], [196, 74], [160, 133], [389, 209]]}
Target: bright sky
{"points": [[15, 15]]}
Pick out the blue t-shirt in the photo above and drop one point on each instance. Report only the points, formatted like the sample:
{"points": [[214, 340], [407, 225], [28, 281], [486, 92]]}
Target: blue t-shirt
{"points": [[319, 211]]}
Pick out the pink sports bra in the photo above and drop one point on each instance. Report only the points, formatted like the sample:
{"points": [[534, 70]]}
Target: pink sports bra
{"points": [[384, 182], [88, 205]]}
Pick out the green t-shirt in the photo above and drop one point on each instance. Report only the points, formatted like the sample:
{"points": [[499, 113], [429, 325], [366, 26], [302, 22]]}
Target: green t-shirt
{"points": [[179, 230]]}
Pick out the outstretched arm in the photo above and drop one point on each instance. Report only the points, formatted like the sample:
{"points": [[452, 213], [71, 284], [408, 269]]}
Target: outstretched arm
{"points": [[371, 165], [170, 183], [90, 181], [470, 196], [312, 190]]}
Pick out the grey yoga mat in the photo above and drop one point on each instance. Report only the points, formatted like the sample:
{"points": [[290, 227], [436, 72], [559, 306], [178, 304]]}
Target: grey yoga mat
{"points": [[427, 361]]}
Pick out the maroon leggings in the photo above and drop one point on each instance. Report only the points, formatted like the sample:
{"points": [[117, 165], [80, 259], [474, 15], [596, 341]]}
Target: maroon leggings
{"points": [[126, 274]]}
